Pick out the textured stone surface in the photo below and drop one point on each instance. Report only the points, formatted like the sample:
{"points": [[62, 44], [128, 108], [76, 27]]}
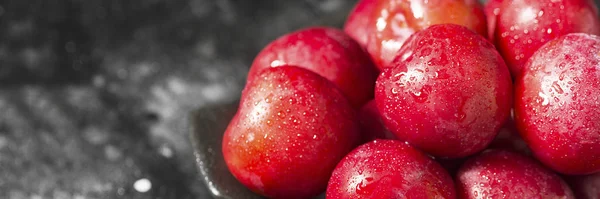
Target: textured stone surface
{"points": [[95, 94]]}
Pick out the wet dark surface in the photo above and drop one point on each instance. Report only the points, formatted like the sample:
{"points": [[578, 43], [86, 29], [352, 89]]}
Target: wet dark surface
{"points": [[95, 95]]}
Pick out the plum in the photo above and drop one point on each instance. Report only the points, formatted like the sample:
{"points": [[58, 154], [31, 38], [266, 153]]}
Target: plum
{"points": [[389, 169], [557, 104], [393, 21], [357, 23], [291, 129], [503, 174], [371, 126], [492, 10], [523, 26], [585, 187], [328, 52], [448, 92]]}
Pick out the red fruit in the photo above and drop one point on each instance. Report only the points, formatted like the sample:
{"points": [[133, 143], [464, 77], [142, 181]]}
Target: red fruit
{"points": [[585, 187], [326, 51], [507, 175], [556, 104], [393, 21], [525, 25], [371, 126], [357, 23], [389, 169], [492, 10], [291, 129], [448, 92]]}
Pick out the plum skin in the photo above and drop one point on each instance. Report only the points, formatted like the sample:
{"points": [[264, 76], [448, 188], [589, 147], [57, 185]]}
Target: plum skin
{"points": [[504, 174], [393, 21], [290, 131], [389, 169], [556, 104], [523, 26], [447, 93], [326, 51], [357, 24], [492, 10]]}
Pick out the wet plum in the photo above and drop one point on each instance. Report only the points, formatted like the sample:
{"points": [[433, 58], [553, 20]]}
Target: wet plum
{"points": [[448, 92], [389, 169], [291, 129], [328, 52], [557, 104], [507, 175]]}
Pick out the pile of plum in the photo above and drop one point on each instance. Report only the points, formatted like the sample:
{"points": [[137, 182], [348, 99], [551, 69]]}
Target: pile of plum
{"points": [[426, 99]]}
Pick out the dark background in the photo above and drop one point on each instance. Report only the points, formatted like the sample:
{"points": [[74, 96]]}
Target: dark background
{"points": [[95, 94]]}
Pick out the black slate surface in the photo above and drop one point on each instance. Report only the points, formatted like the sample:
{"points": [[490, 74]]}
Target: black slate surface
{"points": [[95, 95]]}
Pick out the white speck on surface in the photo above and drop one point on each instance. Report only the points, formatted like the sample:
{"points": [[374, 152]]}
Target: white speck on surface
{"points": [[142, 185], [165, 151], [277, 63]]}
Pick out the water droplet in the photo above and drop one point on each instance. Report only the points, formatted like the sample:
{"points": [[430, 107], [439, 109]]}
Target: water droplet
{"points": [[421, 95], [549, 30], [544, 98], [363, 188], [295, 120], [314, 136], [460, 116], [281, 114], [142, 185], [557, 88], [394, 91]]}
